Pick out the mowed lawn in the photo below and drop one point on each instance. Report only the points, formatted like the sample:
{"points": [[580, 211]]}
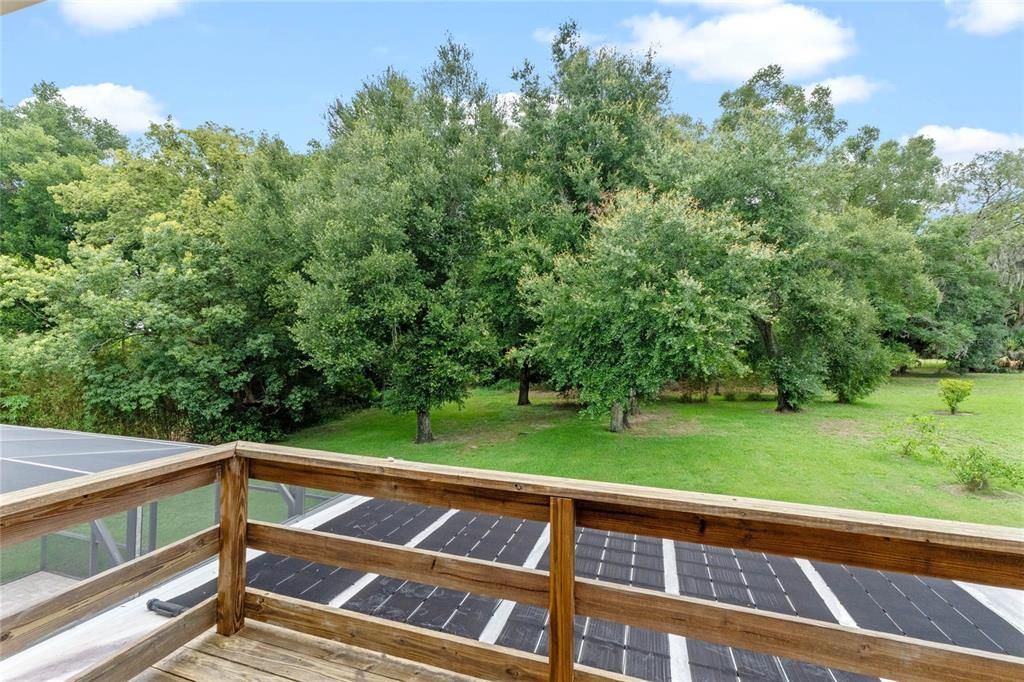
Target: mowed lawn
{"points": [[829, 454]]}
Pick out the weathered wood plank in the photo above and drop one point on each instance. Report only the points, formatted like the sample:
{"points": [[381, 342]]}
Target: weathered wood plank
{"points": [[432, 568], [946, 549], [154, 675], [561, 604], [234, 514], [90, 484], [27, 514], [290, 662], [405, 488], [135, 658], [200, 666], [353, 657], [804, 639], [881, 548], [24, 628], [469, 657]]}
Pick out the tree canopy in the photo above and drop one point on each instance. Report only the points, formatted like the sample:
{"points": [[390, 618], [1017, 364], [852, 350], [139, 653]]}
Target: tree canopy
{"points": [[216, 284]]}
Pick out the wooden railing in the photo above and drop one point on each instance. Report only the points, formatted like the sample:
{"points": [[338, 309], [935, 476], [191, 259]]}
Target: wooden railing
{"points": [[981, 554]]}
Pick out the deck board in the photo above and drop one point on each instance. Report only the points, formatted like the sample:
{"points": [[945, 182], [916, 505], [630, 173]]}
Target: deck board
{"points": [[266, 652]]}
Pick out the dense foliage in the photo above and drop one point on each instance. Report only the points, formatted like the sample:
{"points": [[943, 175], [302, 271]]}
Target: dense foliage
{"points": [[209, 284]]}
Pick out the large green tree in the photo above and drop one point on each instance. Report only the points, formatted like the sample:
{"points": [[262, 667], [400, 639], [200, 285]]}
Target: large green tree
{"points": [[968, 325], [893, 180], [575, 140], [160, 319], [45, 142], [989, 192], [661, 290], [587, 132], [523, 226], [762, 160], [384, 294]]}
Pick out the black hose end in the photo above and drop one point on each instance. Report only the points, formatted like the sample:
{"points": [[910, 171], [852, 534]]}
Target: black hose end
{"points": [[165, 608]]}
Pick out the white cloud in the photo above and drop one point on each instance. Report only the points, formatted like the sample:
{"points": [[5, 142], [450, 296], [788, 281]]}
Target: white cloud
{"points": [[548, 35], [733, 46], [962, 144], [116, 15], [129, 109], [846, 89], [986, 17], [724, 5], [507, 105]]}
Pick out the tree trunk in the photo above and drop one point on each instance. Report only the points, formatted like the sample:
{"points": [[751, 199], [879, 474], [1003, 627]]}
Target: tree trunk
{"points": [[619, 422], [634, 407], [423, 432], [783, 401], [524, 384]]}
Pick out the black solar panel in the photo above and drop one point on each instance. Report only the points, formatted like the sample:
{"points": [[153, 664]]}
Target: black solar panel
{"points": [[926, 608], [32, 456]]}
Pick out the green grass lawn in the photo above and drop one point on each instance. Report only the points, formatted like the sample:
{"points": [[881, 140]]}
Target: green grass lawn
{"points": [[829, 454]]}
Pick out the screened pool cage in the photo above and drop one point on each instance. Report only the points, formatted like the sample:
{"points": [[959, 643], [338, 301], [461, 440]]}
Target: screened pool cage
{"points": [[88, 549]]}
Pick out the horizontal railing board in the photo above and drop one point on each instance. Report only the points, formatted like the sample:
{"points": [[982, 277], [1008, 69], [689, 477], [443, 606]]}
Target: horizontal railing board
{"points": [[136, 657], [847, 648], [425, 491], [24, 628], [27, 514], [834, 545], [488, 578], [948, 549], [458, 654], [32, 523], [850, 649], [90, 484]]}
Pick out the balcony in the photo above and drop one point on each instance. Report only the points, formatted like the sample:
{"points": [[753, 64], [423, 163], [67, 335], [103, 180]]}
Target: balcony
{"points": [[279, 636]]}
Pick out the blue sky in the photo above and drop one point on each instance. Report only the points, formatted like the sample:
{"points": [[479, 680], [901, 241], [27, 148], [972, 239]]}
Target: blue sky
{"points": [[952, 69]]}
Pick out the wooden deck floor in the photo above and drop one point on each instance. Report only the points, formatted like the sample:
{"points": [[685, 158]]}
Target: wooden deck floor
{"points": [[265, 652]]}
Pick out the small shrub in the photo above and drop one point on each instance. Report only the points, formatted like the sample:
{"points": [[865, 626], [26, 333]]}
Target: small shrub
{"points": [[975, 468], [903, 359], [729, 396], [971, 468], [954, 392], [918, 438]]}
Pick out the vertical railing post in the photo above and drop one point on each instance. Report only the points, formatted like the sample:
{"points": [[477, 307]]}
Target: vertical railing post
{"points": [[153, 507], [561, 599], [234, 514]]}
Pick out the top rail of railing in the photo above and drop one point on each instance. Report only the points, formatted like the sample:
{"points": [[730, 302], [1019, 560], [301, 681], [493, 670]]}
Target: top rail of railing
{"points": [[974, 552], [929, 547]]}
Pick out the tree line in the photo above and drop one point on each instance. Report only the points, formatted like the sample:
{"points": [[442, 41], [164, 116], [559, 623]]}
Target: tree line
{"points": [[213, 284]]}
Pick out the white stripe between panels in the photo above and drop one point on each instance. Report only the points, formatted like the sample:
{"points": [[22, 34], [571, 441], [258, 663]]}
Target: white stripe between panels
{"points": [[86, 435], [134, 451], [358, 585], [679, 657], [502, 613], [835, 606], [47, 466], [1006, 603], [839, 611]]}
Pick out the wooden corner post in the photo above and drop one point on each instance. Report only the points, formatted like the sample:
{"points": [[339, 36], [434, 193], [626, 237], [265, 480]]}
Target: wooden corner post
{"points": [[561, 598], [234, 514]]}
